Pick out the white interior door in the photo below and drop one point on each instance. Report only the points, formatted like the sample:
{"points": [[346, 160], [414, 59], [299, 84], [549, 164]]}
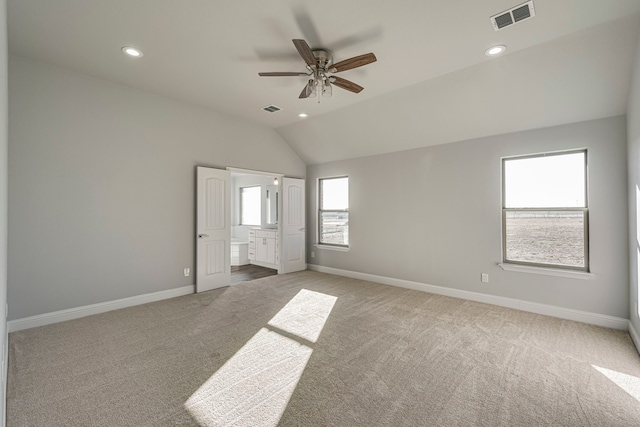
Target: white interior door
{"points": [[213, 228], [294, 252]]}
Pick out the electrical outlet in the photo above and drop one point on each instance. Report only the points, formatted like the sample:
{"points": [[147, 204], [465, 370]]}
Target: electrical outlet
{"points": [[313, 254], [484, 278], [187, 271]]}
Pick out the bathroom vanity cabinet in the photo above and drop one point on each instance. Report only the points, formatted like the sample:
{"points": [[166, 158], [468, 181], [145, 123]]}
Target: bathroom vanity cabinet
{"points": [[263, 247]]}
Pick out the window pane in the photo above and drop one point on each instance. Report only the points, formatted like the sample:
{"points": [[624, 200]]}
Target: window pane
{"points": [[334, 228], [250, 206], [552, 181], [335, 193], [546, 237]]}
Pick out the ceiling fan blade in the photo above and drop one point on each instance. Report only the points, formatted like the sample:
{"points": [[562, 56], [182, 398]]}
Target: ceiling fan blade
{"points": [[355, 62], [282, 74], [305, 51], [305, 92], [346, 84]]}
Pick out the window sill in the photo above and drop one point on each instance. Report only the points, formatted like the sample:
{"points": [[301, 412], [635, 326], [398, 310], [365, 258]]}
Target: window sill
{"points": [[331, 248], [581, 275]]}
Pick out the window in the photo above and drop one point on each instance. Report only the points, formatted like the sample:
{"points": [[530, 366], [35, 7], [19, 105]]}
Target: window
{"points": [[250, 205], [545, 210], [333, 212]]}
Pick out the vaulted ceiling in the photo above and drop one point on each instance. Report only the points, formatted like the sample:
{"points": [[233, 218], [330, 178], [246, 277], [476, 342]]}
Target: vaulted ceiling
{"points": [[432, 83]]}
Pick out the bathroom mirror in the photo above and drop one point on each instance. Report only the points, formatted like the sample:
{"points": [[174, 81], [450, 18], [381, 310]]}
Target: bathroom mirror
{"points": [[272, 204]]}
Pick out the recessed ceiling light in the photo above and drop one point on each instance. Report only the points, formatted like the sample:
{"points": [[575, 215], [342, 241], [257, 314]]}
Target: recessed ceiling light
{"points": [[132, 51], [303, 115], [495, 50]]}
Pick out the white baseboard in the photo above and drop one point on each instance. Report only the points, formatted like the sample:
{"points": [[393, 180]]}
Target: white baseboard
{"points": [[532, 307], [88, 310], [634, 336], [5, 375]]}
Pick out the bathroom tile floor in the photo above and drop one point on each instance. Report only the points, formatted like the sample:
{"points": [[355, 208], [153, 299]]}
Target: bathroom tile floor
{"points": [[245, 273]]}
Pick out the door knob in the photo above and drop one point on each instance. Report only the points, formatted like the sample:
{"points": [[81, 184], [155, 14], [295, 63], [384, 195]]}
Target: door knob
{"points": [[200, 236], [302, 229]]}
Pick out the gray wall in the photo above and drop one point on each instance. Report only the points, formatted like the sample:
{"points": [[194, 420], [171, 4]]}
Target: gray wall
{"points": [[432, 215], [633, 156], [3, 197], [101, 186]]}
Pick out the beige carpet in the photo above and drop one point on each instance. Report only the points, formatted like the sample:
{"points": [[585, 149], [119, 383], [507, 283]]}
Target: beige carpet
{"points": [[310, 349]]}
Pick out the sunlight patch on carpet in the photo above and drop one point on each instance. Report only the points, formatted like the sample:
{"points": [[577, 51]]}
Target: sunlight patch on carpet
{"points": [[628, 383], [305, 315], [254, 386]]}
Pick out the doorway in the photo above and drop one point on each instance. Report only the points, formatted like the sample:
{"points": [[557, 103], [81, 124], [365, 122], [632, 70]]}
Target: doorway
{"points": [[256, 218], [255, 215]]}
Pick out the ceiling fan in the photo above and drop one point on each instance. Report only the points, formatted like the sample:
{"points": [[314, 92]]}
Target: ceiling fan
{"points": [[319, 67]]}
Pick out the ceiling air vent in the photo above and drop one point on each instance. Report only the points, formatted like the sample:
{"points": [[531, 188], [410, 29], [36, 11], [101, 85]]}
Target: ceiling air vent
{"points": [[271, 108], [513, 15]]}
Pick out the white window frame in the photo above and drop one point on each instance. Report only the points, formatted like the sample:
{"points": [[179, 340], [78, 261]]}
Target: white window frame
{"points": [[242, 207], [321, 211], [584, 210]]}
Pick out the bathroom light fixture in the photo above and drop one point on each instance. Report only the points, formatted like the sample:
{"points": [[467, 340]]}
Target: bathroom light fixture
{"points": [[132, 51], [303, 115], [275, 181], [495, 50]]}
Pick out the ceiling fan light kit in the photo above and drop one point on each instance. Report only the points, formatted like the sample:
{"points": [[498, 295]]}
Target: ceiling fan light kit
{"points": [[320, 66]]}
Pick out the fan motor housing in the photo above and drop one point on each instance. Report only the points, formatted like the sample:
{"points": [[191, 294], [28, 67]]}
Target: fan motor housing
{"points": [[324, 58]]}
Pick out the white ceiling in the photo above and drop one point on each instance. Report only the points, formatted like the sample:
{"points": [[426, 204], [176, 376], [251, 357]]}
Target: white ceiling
{"points": [[432, 83]]}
